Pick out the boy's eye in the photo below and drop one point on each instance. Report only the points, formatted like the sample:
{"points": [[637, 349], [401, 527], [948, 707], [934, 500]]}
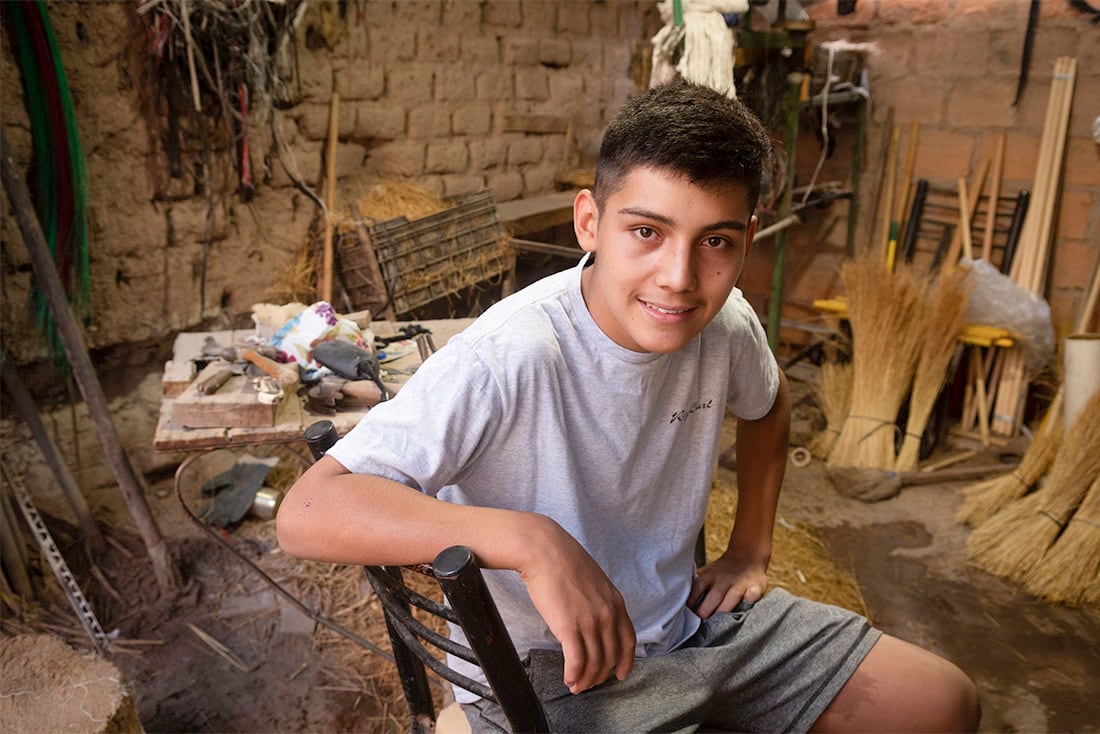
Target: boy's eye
{"points": [[715, 241], [645, 233]]}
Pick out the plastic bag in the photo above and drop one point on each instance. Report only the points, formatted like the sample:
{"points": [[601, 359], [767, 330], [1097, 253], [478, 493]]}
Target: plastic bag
{"points": [[997, 300]]}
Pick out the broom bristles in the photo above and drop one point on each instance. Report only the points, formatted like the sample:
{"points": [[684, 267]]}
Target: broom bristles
{"points": [[834, 393], [947, 301], [886, 337], [983, 499], [1013, 548], [1074, 560]]}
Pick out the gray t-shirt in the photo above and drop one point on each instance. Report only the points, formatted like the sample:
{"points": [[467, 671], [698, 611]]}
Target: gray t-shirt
{"points": [[534, 408]]}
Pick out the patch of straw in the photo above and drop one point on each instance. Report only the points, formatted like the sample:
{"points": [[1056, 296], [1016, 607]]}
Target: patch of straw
{"points": [[800, 562], [946, 317], [391, 199]]}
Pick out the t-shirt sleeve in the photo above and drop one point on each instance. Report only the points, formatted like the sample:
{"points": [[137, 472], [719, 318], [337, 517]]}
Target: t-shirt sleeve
{"points": [[754, 373], [433, 428]]}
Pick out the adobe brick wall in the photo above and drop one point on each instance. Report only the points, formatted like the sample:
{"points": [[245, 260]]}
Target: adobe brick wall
{"points": [[953, 66], [424, 86]]}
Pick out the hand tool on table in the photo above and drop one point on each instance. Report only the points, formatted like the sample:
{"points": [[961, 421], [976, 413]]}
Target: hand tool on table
{"points": [[350, 362], [213, 382], [285, 374]]}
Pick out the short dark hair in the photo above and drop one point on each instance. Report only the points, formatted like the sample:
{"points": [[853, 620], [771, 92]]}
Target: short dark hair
{"points": [[691, 130]]}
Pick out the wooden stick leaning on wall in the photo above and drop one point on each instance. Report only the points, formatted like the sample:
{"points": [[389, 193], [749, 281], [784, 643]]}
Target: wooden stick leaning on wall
{"points": [[72, 340], [1030, 265], [974, 190], [994, 194], [888, 185], [324, 292], [976, 361], [880, 183], [902, 196]]}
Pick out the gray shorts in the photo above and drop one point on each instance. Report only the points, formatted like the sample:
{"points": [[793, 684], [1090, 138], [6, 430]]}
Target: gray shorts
{"points": [[775, 667]]}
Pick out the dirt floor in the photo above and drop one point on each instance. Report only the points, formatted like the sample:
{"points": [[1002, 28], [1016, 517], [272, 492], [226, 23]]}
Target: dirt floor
{"points": [[231, 654]]}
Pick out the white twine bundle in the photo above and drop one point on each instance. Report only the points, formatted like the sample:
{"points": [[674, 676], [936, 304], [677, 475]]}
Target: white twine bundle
{"points": [[708, 44]]}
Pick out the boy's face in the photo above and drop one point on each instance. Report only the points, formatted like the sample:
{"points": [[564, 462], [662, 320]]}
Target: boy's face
{"points": [[667, 256]]}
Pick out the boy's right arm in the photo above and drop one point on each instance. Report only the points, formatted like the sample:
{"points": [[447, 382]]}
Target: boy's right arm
{"points": [[333, 515]]}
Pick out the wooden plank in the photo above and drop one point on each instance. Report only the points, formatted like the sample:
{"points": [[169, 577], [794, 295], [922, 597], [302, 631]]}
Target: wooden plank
{"points": [[237, 404], [523, 216], [177, 376]]}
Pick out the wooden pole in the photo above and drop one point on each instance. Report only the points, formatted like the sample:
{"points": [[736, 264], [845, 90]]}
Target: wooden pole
{"points": [[13, 551], [24, 405], [888, 186], [994, 193], [974, 188], [325, 291], [72, 340]]}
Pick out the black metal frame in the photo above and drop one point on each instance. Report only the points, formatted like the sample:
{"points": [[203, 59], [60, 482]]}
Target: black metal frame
{"points": [[471, 607]]}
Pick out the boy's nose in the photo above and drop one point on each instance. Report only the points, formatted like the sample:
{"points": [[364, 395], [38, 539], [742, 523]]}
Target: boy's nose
{"points": [[676, 270]]}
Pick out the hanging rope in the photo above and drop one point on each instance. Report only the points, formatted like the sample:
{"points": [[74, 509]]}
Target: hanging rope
{"points": [[700, 49]]}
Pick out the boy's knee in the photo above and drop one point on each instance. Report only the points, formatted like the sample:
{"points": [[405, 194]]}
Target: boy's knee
{"points": [[963, 708]]}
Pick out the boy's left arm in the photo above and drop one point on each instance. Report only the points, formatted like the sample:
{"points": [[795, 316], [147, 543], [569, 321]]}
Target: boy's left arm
{"points": [[741, 573]]}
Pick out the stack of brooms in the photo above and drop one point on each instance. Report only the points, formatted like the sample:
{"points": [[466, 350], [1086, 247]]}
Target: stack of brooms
{"points": [[1039, 525], [904, 337]]}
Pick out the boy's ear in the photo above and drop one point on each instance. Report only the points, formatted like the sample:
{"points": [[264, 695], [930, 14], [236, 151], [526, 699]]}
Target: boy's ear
{"points": [[586, 219], [750, 233]]}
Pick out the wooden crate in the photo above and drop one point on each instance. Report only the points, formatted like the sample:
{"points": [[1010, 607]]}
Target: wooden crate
{"points": [[424, 260]]}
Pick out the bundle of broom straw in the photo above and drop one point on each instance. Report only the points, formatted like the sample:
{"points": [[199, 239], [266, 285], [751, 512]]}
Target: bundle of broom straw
{"points": [[1012, 543], [887, 334], [947, 300], [834, 393], [1072, 565], [983, 499]]}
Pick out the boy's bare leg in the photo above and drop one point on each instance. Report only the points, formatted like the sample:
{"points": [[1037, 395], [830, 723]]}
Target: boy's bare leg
{"points": [[900, 687]]}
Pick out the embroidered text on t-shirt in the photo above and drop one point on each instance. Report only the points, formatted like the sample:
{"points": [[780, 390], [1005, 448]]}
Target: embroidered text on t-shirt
{"points": [[683, 415]]}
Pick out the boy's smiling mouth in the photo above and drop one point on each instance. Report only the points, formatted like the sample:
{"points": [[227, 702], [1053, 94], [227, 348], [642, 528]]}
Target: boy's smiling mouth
{"points": [[665, 310]]}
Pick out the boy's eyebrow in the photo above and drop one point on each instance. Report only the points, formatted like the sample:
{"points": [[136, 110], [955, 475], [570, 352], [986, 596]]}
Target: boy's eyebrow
{"points": [[663, 219]]}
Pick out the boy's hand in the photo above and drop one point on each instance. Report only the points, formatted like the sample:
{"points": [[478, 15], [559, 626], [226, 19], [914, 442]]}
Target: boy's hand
{"points": [[722, 585], [583, 609]]}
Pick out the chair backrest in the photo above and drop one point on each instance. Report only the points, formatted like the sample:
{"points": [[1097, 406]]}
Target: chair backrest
{"points": [[470, 606]]}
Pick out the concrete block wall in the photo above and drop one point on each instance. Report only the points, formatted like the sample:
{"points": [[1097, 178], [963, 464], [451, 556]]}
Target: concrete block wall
{"points": [[953, 66]]}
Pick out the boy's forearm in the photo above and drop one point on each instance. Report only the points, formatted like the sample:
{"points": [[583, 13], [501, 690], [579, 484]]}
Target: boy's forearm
{"points": [[332, 515], [761, 463]]}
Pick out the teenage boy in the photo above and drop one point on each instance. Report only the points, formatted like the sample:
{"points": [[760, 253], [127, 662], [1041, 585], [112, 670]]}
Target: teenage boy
{"points": [[568, 437]]}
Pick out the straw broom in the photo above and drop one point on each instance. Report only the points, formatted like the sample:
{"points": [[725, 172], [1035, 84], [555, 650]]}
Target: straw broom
{"points": [[947, 301], [887, 332], [983, 499], [1011, 545], [834, 392], [1073, 562]]}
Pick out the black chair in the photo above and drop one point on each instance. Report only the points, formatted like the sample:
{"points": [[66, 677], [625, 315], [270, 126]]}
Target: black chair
{"points": [[471, 607]]}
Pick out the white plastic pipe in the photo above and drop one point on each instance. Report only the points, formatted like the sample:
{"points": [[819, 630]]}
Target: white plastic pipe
{"points": [[1082, 373]]}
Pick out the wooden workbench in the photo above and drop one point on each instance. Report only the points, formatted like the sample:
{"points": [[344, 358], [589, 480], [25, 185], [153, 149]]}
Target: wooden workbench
{"points": [[291, 416]]}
